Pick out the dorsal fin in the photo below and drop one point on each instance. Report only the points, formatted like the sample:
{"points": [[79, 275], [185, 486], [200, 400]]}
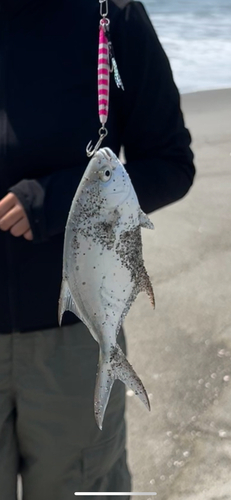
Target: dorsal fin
{"points": [[144, 220]]}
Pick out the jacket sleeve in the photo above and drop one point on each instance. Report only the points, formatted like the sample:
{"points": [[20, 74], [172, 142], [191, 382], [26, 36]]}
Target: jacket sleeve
{"points": [[47, 201], [156, 141]]}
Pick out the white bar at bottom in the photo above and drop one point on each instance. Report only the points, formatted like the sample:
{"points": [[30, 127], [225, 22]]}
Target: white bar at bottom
{"points": [[147, 494]]}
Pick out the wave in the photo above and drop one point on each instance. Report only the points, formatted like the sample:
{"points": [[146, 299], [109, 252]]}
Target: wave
{"points": [[198, 48]]}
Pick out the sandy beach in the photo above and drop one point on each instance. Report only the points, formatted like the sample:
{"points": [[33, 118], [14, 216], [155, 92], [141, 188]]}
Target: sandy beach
{"points": [[182, 351]]}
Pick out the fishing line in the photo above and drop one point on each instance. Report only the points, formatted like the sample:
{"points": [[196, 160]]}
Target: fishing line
{"points": [[106, 65]]}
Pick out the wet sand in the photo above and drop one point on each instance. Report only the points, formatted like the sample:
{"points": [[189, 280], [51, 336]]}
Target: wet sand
{"points": [[182, 351]]}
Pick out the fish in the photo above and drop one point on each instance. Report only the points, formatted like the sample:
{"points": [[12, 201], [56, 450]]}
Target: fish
{"points": [[103, 268]]}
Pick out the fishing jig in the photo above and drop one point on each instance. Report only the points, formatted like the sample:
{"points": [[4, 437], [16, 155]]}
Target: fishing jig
{"points": [[106, 65]]}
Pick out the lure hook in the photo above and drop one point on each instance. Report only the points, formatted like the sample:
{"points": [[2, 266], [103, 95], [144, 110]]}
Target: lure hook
{"points": [[89, 149]]}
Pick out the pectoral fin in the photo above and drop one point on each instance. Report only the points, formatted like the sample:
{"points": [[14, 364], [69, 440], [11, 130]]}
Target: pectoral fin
{"points": [[145, 221], [66, 302]]}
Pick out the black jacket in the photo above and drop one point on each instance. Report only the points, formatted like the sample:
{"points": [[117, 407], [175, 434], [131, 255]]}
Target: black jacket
{"points": [[48, 114]]}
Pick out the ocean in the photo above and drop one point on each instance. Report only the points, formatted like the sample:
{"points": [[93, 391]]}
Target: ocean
{"points": [[196, 36]]}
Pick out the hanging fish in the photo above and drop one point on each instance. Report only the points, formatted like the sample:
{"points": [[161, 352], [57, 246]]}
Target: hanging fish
{"points": [[103, 268]]}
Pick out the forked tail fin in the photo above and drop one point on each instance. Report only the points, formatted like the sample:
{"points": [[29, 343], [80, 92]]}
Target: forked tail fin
{"points": [[115, 366]]}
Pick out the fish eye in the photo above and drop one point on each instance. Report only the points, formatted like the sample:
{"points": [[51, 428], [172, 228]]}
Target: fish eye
{"points": [[105, 174]]}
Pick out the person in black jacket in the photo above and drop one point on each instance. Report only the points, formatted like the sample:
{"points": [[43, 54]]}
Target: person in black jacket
{"points": [[48, 103]]}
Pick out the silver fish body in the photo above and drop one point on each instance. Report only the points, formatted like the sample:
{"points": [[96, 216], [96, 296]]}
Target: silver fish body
{"points": [[103, 269]]}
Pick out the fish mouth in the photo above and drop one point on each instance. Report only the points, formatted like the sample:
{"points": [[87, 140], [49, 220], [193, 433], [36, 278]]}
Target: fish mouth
{"points": [[107, 155]]}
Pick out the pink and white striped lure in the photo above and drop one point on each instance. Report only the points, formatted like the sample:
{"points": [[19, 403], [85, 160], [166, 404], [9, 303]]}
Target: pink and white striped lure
{"points": [[103, 85], [103, 74], [105, 58]]}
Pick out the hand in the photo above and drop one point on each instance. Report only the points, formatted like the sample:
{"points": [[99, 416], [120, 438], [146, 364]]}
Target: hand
{"points": [[13, 217]]}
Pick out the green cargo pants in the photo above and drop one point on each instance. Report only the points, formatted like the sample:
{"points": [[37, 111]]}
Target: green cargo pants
{"points": [[47, 426]]}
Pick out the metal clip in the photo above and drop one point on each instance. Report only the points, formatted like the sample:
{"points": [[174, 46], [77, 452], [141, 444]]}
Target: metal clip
{"points": [[103, 11], [89, 149]]}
